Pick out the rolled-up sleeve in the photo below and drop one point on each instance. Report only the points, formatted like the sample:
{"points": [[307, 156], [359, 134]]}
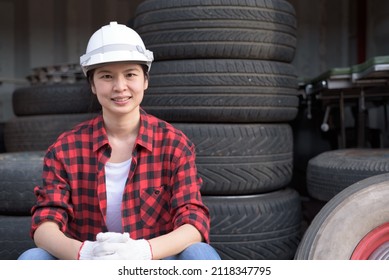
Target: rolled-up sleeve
{"points": [[187, 205], [52, 197]]}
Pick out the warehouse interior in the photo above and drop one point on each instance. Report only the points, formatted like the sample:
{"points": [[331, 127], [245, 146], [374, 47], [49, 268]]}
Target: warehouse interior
{"points": [[332, 36]]}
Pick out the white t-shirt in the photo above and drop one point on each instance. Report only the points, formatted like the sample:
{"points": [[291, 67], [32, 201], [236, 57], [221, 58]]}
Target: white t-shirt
{"points": [[116, 175]]}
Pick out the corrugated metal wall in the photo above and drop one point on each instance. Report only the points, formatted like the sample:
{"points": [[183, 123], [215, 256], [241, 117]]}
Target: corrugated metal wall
{"points": [[324, 39], [51, 32]]}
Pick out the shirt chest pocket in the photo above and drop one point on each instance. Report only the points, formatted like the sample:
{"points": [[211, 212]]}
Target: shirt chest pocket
{"points": [[155, 206]]}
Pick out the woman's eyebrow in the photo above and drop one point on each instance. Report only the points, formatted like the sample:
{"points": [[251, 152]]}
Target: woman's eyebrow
{"points": [[103, 71], [132, 69], [107, 70]]}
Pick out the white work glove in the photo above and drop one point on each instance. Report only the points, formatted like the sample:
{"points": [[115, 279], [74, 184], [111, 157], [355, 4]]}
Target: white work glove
{"points": [[86, 250], [130, 250], [87, 247], [113, 237]]}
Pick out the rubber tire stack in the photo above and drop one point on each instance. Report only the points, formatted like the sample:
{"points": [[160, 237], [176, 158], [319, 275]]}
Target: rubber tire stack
{"points": [[42, 111], [223, 74]]}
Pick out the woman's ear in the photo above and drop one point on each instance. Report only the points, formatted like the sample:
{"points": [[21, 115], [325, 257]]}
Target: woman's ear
{"points": [[146, 84], [92, 86]]}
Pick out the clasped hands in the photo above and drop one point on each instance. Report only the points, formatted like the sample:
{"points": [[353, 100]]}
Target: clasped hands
{"points": [[115, 246]]}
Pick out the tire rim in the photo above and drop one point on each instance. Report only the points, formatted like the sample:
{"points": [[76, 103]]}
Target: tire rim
{"points": [[373, 246]]}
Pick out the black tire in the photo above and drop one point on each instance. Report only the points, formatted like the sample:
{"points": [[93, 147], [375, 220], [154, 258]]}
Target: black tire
{"points": [[261, 227], [219, 90], [15, 236], [346, 219], [331, 172], [218, 29], [235, 159], [19, 173], [37, 133], [228, 76], [54, 99]]}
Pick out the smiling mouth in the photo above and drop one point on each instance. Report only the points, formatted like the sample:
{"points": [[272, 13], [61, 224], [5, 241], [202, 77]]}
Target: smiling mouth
{"points": [[121, 99]]}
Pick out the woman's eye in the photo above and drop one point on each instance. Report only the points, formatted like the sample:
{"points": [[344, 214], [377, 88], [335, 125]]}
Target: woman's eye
{"points": [[105, 77]]}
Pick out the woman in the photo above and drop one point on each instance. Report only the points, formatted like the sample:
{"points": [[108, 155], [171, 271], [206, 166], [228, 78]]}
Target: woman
{"points": [[123, 185]]}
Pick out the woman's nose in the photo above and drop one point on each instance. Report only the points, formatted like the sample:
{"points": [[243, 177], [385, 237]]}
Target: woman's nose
{"points": [[120, 83]]}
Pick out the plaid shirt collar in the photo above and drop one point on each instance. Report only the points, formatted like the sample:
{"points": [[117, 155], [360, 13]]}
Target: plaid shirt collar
{"points": [[144, 139]]}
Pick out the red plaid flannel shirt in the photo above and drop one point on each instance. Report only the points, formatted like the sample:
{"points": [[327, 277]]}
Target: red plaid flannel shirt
{"points": [[162, 191]]}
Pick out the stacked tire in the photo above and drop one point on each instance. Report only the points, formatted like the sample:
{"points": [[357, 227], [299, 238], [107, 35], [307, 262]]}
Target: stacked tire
{"points": [[42, 112], [331, 172], [223, 75], [19, 172]]}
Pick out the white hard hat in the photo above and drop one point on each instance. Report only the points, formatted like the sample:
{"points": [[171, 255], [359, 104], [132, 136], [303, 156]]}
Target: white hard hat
{"points": [[113, 43]]}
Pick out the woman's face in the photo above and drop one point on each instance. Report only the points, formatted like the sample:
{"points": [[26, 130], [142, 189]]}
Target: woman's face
{"points": [[119, 87]]}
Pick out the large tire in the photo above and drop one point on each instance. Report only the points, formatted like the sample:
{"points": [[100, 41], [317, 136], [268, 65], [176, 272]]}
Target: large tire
{"points": [[236, 159], [15, 236], [54, 99], [37, 133], [19, 173], [218, 29], [262, 227], [347, 221], [331, 172], [222, 90]]}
